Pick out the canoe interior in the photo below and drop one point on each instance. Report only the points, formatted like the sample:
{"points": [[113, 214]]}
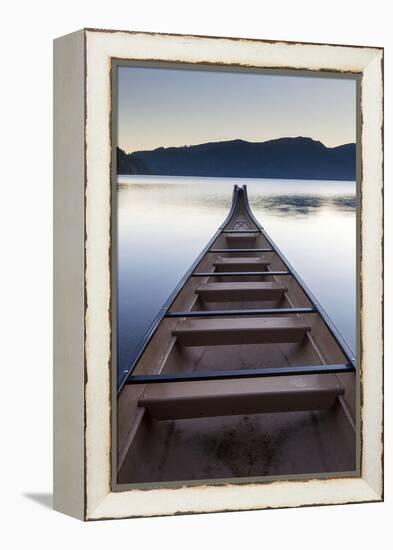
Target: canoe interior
{"points": [[219, 441]]}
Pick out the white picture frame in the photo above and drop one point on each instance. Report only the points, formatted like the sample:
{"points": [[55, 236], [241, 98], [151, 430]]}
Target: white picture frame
{"points": [[83, 392]]}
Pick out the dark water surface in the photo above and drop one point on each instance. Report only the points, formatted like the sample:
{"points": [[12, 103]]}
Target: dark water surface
{"points": [[164, 223]]}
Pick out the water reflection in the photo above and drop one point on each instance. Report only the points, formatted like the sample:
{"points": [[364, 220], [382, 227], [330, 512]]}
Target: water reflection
{"points": [[292, 204], [345, 203], [303, 205], [163, 224], [282, 203]]}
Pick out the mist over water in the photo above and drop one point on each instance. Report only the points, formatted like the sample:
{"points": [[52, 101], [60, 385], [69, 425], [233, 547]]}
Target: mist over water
{"points": [[165, 222]]}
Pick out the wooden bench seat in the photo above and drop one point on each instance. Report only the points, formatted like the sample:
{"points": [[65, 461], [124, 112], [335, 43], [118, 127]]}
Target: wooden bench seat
{"points": [[241, 237], [240, 330], [248, 291], [241, 264], [175, 400]]}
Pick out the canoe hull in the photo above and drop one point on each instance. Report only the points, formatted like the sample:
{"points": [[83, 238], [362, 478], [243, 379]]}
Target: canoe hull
{"points": [[232, 428]]}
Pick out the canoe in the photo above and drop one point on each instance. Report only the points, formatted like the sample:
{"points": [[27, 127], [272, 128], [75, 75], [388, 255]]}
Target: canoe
{"points": [[242, 373]]}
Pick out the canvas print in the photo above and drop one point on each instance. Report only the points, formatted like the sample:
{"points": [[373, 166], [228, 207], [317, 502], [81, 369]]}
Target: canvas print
{"points": [[235, 264]]}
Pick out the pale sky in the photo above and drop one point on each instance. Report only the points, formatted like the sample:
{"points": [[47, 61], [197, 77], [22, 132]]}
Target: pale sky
{"points": [[160, 107]]}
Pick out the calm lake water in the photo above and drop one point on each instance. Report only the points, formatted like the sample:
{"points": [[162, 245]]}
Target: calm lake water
{"points": [[164, 223]]}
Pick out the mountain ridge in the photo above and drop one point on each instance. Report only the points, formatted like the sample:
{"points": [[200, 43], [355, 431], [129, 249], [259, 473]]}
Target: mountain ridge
{"points": [[286, 158]]}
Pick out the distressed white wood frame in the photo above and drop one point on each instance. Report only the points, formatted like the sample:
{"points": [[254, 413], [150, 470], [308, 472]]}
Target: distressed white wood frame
{"points": [[99, 501]]}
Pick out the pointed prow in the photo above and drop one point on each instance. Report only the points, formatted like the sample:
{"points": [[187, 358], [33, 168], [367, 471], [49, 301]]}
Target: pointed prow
{"points": [[240, 216]]}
